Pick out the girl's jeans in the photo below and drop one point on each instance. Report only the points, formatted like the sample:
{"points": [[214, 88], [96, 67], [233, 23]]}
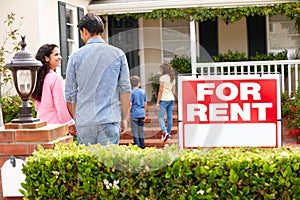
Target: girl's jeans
{"points": [[137, 129], [165, 106]]}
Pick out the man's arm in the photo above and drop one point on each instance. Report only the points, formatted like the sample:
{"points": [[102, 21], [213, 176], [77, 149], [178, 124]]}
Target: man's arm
{"points": [[125, 104], [71, 109]]}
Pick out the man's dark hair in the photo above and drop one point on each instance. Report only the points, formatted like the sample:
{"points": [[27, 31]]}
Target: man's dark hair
{"points": [[93, 23]]}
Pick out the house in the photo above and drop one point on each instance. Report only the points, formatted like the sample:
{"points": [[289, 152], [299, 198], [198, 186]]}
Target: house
{"points": [[149, 40]]}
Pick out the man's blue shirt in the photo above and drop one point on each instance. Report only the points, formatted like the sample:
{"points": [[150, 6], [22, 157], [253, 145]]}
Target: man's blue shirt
{"points": [[96, 74]]}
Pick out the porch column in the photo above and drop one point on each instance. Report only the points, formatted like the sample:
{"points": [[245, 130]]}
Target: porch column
{"points": [[193, 41]]}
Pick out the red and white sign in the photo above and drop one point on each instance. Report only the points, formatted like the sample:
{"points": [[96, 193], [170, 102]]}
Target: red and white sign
{"points": [[229, 111]]}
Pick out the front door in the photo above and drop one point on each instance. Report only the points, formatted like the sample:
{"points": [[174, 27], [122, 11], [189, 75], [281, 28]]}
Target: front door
{"points": [[257, 39], [123, 34]]}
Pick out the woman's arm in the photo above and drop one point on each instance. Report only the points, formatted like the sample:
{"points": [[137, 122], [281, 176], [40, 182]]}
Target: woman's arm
{"points": [[160, 91], [173, 90]]}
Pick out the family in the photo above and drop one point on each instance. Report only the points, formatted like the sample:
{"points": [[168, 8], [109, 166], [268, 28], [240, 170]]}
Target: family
{"points": [[98, 96]]}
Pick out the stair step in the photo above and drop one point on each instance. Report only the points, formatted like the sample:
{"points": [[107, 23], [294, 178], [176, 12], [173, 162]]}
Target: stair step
{"points": [[149, 134], [152, 128], [151, 143]]}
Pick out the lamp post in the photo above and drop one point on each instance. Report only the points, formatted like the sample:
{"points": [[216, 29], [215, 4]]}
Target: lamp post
{"points": [[24, 70]]}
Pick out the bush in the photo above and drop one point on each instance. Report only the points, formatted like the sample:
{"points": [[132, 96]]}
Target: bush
{"points": [[237, 56], [154, 80], [181, 65], [10, 107], [124, 172], [290, 111]]}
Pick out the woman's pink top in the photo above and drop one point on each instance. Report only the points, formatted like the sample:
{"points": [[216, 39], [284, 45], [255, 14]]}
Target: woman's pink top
{"points": [[53, 107]]}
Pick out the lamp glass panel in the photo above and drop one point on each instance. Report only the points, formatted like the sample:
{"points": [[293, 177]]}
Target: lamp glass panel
{"points": [[24, 81]]}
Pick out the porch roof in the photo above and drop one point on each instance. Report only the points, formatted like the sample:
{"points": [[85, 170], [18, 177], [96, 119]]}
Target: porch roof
{"points": [[103, 7]]}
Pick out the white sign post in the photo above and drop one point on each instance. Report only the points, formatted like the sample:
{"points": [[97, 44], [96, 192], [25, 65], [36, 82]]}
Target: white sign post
{"points": [[229, 111]]}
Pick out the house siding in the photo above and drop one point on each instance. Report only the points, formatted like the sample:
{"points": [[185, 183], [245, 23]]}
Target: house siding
{"points": [[233, 36]]}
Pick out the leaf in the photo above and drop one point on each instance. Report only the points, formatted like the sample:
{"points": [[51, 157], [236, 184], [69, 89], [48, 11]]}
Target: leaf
{"points": [[233, 177]]}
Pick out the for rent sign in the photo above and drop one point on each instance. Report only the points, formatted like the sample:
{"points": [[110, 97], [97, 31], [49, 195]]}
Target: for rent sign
{"points": [[229, 111]]}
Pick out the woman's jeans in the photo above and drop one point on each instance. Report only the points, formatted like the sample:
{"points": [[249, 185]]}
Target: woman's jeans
{"points": [[165, 106], [137, 130]]}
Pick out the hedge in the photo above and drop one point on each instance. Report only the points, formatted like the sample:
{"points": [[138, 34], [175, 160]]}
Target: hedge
{"points": [[127, 172]]}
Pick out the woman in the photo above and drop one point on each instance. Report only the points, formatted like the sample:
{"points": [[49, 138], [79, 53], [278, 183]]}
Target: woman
{"points": [[165, 99], [48, 95]]}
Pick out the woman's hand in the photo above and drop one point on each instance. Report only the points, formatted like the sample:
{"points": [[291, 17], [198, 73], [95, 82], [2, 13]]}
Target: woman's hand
{"points": [[72, 129], [157, 106]]}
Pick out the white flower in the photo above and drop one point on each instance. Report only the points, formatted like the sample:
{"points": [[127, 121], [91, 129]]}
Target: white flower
{"points": [[284, 153], [116, 184], [200, 192], [105, 182], [56, 173]]}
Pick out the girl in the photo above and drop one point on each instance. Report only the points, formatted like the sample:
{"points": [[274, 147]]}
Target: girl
{"points": [[165, 99]]}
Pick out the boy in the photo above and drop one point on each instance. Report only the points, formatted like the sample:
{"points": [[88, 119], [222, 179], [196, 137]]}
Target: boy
{"points": [[138, 106]]}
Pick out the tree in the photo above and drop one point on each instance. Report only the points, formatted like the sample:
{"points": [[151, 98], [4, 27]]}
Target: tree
{"points": [[9, 38]]}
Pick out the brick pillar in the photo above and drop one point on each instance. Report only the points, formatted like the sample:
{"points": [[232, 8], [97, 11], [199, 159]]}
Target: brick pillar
{"points": [[21, 140]]}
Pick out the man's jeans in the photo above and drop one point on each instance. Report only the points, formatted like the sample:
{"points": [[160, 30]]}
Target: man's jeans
{"points": [[165, 106], [101, 133], [137, 130]]}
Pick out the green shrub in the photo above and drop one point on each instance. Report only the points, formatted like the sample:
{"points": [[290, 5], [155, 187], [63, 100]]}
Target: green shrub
{"points": [[230, 57], [124, 172], [154, 80], [237, 56], [10, 107], [290, 111], [181, 65]]}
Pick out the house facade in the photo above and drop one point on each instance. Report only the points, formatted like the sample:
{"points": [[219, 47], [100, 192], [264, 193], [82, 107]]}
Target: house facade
{"points": [[150, 42]]}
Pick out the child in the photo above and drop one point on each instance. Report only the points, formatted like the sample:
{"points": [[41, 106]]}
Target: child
{"points": [[138, 102], [165, 99]]}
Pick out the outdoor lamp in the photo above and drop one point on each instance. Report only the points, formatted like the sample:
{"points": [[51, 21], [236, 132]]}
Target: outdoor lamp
{"points": [[24, 71]]}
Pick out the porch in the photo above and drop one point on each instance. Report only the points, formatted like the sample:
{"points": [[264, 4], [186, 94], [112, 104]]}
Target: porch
{"points": [[289, 70]]}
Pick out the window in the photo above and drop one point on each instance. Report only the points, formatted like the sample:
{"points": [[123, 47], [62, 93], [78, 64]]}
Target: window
{"points": [[70, 23], [69, 35], [175, 39], [283, 35]]}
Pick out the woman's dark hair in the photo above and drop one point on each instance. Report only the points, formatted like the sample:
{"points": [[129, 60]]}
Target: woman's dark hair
{"points": [[43, 51], [167, 69], [93, 23]]}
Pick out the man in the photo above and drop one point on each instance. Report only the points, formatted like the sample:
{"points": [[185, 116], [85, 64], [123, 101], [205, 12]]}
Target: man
{"points": [[97, 82]]}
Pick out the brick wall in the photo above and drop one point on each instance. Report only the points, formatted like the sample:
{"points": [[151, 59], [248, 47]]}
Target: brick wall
{"points": [[286, 137], [21, 140]]}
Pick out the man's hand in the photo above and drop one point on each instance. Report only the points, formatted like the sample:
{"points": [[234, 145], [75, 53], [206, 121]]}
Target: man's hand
{"points": [[123, 126], [125, 104]]}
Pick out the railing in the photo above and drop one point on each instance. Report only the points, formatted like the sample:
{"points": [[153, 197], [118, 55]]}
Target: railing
{"points": [[289, 70]]}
